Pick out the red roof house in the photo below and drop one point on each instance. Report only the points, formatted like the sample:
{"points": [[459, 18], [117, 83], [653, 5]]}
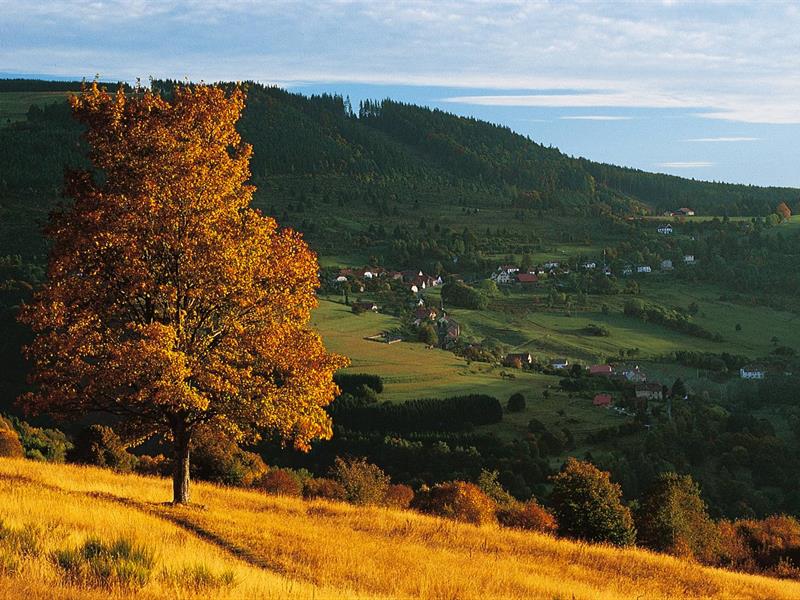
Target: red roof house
{"points": [[602, 400]]}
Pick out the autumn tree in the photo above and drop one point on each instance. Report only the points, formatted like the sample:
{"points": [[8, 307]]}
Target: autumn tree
{"points": [[784, 211], [170, 302], [588, 505], [673, 518]]}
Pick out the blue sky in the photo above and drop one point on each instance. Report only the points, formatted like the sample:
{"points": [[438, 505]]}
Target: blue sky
{"points": [[706, 90]]}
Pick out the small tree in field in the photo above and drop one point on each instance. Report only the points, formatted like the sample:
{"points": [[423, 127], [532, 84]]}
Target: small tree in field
{"points": [[588, 506], [170, 302], [673, 518]]}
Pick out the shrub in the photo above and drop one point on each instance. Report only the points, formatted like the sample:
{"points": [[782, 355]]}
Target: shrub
{"points": [[398, 496], [770, 541], [363, 482], [529, 515], [489, 485], [99, 445], [322, 487], [219, 459], [588, 506], [673, 518], [10, 446], [516, 403], [118, 564], [158, 465], [49, 445], [457, 500], [349, 382], [280, 482]]}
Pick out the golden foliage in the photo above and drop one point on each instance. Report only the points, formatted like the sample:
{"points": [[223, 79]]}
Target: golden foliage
{"points": [[169, 300]]}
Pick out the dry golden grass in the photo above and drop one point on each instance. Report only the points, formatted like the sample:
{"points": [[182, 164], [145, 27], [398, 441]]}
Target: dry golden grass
{"points": [[287, 548]]}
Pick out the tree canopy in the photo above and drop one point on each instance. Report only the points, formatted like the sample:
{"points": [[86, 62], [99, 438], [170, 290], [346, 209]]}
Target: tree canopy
{"points": [[169, 301]]}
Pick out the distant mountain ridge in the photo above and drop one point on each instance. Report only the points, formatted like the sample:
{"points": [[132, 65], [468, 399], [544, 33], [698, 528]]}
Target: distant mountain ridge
{"points": [[381, 150]]}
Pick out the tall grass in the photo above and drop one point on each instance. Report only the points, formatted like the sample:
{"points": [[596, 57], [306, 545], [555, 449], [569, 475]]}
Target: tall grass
{"points": [[243, 544]]}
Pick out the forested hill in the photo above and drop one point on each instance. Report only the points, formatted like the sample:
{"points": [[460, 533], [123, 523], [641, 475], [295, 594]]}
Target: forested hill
{"points": [[368, 156]]}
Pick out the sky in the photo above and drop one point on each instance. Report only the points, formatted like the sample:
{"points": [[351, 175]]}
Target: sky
{"points": [[709, 90]]}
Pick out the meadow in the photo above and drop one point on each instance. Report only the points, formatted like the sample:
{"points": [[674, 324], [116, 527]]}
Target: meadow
{"points": [[14, 105], [235, 543]]}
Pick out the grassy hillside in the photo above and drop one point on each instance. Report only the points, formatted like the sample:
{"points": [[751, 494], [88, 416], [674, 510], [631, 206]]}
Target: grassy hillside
{"points": [[236, 543]]}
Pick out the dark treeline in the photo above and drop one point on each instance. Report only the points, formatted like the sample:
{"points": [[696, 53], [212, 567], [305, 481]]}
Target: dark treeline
{"points": [[427, 414]]}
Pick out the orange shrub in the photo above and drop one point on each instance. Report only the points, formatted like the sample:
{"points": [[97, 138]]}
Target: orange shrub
{"points": [[158, 465], [399, 496], [530, 515], [280, 482], [322, 487], [457, 500], [10, 446]]}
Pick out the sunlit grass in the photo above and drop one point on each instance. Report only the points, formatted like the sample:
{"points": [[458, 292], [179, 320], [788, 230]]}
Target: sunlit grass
{"points": [[237, 543]]}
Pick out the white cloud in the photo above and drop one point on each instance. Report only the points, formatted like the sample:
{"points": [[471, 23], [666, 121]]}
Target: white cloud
{"points": [[595, 118], [723, 139], [685, 165], [736, 64]]}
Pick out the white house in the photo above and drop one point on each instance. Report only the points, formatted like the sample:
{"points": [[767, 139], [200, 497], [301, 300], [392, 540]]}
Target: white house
{"points": [[752, 372], [627, 270], [644, 269], [688, 258], [666, 265], [503, 275], [549, 266], [589, 264], [560, 363], [341, 279], [665, 229]]}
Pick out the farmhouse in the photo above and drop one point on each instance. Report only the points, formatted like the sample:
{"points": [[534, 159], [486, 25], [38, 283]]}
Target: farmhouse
{"points": [[551, 265], [602, 400], [601, 370], [666, 265], [449, 329], [633, 373], [752, 372], [665, 229], [644, 269], [526, 278], [560, 363], [683, 212], [504, 275], [589, 264], [688, 259], [424, 314], [649, 391], [514, 359]]}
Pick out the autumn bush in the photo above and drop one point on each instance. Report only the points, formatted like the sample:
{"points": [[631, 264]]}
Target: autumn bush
{"points": [[588, 505], [10, 446], [99, 445], [217, 458], [457, 500], [770, 543], [529, 515], [280, 482], [398, 496], [363, 482], [158, 465], [323, 487]]}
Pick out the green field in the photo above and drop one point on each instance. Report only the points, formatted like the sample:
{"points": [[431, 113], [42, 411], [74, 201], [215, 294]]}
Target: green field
{"points": [[409, 370], [14, 105]]}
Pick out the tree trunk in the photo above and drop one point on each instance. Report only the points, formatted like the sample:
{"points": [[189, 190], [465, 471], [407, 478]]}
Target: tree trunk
{"points": [[180, 472]]}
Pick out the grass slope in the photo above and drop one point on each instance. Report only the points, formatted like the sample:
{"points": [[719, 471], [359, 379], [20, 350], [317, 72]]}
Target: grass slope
{"points": [[288, 548]]}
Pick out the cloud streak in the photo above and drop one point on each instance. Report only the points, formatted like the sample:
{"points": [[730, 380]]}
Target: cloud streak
{"points": [[685, 165], [723, 139]]}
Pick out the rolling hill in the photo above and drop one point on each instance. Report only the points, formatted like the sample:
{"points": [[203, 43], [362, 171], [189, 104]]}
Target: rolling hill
{"points": [[236, 543]]}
